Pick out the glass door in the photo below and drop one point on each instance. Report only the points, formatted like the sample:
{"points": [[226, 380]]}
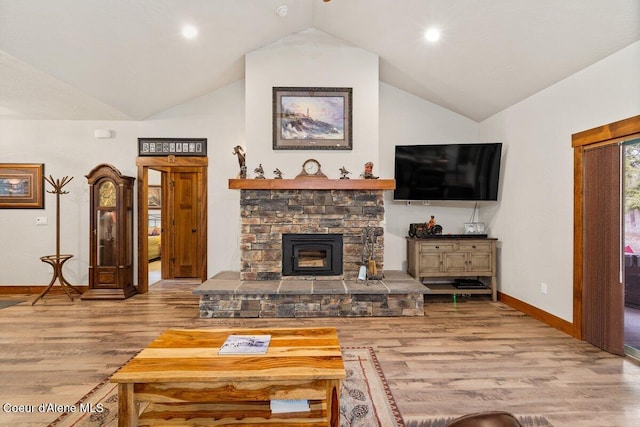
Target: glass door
{"points": [[631, 227], [106, 224]]}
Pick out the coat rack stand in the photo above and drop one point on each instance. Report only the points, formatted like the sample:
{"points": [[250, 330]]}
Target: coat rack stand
{"points": [[57, 261]]}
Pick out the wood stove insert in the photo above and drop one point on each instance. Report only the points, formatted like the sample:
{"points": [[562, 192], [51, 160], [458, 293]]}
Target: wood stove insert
{"points": [[311, 254]]}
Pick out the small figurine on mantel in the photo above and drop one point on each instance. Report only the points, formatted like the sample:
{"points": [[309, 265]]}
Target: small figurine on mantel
{"points": [[238, 151], [259, 171], [278, 173], [343, 173], [368, 171]]}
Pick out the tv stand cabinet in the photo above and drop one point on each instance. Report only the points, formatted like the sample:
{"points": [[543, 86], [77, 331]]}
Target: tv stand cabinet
{"points": [[463, 257]]}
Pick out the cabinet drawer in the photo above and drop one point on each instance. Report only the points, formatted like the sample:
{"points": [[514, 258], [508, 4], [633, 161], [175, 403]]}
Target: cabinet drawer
{"points": [[436, 247], [475, 246]]}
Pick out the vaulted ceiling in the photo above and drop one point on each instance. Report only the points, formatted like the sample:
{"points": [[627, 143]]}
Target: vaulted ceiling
{"points": [[127, 60]]}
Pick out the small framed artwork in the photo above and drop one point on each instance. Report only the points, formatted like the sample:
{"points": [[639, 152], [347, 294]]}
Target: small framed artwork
{"points": [[22, 185], [474, 228], [312, 118], [154, 197]]}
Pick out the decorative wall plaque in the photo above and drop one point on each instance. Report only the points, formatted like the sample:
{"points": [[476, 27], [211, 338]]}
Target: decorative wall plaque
{"points": [[195, 147]]}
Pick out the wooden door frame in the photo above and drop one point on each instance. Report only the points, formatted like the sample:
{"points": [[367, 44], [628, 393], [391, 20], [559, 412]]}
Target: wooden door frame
{"points": [[167, 163], [606, 134]]}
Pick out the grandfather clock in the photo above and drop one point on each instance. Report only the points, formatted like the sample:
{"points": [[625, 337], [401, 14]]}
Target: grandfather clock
{"points": [[111, 234]]}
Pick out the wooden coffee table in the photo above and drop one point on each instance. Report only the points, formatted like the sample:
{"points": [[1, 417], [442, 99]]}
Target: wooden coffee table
{"points": [[180, 379]]}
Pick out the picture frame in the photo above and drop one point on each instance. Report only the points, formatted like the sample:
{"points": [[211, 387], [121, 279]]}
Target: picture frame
{"points": [[21, 185], [177, 147], [474, 228], [154, 197], [312, 118]]}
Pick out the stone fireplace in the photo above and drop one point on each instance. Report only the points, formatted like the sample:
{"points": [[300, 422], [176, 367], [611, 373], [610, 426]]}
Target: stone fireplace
{"points": [[318, 220], [269, 214]]}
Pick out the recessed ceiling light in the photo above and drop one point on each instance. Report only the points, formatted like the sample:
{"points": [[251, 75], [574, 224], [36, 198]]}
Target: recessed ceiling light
{"points": [[432, 35], [189, 32]]}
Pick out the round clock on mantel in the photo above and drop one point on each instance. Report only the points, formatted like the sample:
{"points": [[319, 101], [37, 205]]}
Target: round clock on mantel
{"points": [[311, 169]]}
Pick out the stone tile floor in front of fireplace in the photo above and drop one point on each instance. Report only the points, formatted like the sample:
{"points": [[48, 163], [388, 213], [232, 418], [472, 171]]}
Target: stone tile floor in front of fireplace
{"points": [[228, 282]]}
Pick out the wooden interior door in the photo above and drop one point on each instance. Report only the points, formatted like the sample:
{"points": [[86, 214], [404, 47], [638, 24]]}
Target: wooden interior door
{"points": [[186, 224], [603, 292], [184, 209]]}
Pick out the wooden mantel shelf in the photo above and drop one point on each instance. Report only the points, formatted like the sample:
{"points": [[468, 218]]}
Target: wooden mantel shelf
{"points": [[312, 184]]}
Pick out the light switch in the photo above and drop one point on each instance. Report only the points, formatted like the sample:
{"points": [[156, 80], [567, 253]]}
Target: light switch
{"points": [[41, 220]]}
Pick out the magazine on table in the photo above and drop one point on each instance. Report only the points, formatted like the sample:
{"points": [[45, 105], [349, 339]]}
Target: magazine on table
{"points": [[245, 344]]}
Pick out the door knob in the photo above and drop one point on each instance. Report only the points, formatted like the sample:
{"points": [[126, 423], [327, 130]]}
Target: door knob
{"points": [[193, 230]]}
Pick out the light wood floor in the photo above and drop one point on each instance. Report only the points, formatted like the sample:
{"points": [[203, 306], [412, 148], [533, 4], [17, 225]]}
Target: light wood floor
{"points": [[474, 356]]}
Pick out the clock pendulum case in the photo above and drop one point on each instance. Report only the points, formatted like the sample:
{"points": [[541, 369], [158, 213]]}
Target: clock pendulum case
{"points": [[111, 234]]}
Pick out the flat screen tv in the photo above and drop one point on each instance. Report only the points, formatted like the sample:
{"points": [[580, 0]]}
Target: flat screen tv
{"points": [[447, 172]]}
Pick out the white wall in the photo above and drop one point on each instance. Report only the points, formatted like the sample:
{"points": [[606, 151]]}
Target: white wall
{"points": [[219, 117], [311, 58], [534, 218], [408, 120], [68, 148]]}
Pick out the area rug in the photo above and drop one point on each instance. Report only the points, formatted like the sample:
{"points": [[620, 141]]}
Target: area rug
{"points": [[365, 399], [525, 421]]}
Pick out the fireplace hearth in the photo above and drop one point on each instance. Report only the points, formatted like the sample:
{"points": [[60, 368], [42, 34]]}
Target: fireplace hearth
{"points": [[311, 254], [226, 296], [271, 209]]}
